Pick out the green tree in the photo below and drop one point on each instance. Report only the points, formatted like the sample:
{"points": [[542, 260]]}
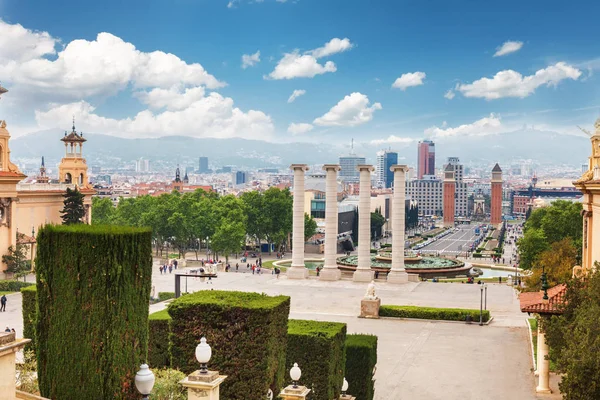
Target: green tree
{"points": [[377, 221], [531, 245], [16, 260], [73, 211], [558, 262], [278, 213], [254, 203], [310, 227], [102, 211], [229, 238]]}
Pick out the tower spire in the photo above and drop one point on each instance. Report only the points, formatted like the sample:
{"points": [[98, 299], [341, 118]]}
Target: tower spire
{"points": [[73, 123]]}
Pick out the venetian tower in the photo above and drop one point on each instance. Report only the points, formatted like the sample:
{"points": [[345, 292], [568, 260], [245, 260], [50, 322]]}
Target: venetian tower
{"points": [[72, 167], [496, 206], [449, 199]]}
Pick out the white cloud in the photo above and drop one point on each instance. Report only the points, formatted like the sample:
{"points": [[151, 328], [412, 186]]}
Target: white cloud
{"points": [[18, 44], [299, 128], [212, 116], [484, 126], [507, 48], [449, 95], [409, 79], [393, 139], [250, 60], [334, 46], [510, 83], [352, 110], [297, 65], [231, 4], [295, 94], [172, 99]]}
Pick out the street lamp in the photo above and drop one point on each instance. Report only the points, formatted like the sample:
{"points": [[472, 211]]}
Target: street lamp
{"points": [[203, 354], [481, 308], [344, 387], [295, 374], [144, 381], [485, 306]]}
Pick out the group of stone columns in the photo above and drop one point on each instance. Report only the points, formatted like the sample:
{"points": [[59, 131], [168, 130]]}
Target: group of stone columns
{"points": [[363, 271]]}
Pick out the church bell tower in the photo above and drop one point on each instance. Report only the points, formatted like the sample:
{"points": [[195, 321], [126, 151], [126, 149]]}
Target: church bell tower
{"points": [[73, 168]]}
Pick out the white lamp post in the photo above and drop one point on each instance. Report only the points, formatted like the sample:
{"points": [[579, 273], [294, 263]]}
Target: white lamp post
{"points": [[295, 374], [344, 387], [144, 381], [203, 354]]}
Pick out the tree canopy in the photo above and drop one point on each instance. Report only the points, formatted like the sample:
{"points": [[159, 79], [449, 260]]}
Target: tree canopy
{"points": [[558, 261], [310, 227], [73, 210]]}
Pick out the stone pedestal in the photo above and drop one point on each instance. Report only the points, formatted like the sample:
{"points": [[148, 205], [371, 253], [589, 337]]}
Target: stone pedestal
{"points": [[347, 397], [363, 271], [397, 277], [203, 386], [369, 308], [330, 271], [294, 393], [544, 365], [9, 346], [297, 272]]}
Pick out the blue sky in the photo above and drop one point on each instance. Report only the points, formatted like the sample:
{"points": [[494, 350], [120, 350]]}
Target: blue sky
{"points": [[345, 55]]}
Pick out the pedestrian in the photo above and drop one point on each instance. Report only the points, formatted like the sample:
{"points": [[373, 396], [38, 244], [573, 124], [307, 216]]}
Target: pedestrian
{"points": [[248, 265], [170, 268], [237, 266], [175, 263], [499, 279], [7, 329], [253, 268], [3, 303]]}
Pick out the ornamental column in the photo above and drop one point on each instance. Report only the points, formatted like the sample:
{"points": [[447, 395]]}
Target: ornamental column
{"points": [[398, 273], [363, 271], [330, 270], [544, 366], [297, 269]]}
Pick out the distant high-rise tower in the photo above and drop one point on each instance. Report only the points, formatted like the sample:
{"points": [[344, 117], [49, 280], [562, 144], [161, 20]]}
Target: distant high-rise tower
{"points": [[385, 160], [203, 165], [496, 212], [426, 158], [449, 195]]}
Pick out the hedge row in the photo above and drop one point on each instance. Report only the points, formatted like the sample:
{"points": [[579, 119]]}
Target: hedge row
{"points": [[29, 310], [248, 335], [361, 358], [158, 339], [446, 314], [162, 296], [319, 349], [13, 286], [93, 286]]}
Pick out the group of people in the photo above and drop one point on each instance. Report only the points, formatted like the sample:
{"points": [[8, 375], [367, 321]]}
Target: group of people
{"points": [[8, 330], [168, 267]]}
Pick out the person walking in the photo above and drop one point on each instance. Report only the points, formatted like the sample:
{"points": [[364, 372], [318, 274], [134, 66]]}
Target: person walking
{"points": [[253, 268], [237, 266], [170, 268], [3, 301]]}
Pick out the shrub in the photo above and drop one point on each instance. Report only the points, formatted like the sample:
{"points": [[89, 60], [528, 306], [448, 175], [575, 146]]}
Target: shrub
{"points": [[162, 296], [93, 286], [248, 335], [373, 251], [26, 373], [29, 310], [158, 339], [13, 286], [318, 348], [446, 314], [361, 358], [477, 255], [167, 387]]}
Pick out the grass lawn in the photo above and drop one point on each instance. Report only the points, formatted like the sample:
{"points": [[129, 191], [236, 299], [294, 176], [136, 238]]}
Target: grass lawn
{"points": [[3, 293], [533, 324], [269, 265], [487, 280]]}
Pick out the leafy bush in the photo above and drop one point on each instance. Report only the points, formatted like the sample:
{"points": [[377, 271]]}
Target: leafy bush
{"points": [[361, 358], [162, 296], [478, 250], [477, 255], [248, 335], [26, 373], [93, 286], [373, 251], [319, 349], [29, 310], [158, 339], [386, 245], [446, 314], [13, 286], [167, 387]]}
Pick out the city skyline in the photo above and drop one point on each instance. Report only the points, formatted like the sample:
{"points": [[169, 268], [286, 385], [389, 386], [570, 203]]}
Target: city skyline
{"points": [[504, 78]]}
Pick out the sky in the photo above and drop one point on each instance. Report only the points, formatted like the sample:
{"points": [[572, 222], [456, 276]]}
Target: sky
{"points": [[385, 73]]}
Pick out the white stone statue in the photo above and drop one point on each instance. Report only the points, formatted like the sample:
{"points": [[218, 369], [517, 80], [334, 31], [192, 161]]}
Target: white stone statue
{"points": [[370, 295]]}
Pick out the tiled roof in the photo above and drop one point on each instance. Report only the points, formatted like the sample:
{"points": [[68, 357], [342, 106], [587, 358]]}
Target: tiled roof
{"points": [[533, 302]]}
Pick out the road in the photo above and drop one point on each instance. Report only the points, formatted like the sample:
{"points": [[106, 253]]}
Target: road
{"points": [[453, 244]]}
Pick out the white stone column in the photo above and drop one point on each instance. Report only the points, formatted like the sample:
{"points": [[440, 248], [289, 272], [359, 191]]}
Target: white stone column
{"points": [[297, 270], [330, 270], [363, 271], [538, 358], [544, 367], [398, 273]]}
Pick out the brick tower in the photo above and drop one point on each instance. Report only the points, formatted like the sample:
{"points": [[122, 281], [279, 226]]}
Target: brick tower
{"points": [[496, 212], [449, 195]]}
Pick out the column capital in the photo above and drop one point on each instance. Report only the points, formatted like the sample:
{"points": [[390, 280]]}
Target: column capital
{"points": [[365, 167], [334, 167], [399, 168], [295, 167]]}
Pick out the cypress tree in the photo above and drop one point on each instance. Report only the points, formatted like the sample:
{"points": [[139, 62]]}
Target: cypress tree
{"points": [[73, 211]]}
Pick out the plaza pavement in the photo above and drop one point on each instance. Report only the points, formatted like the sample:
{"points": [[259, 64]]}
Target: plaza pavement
{"points": [[416, 359]]}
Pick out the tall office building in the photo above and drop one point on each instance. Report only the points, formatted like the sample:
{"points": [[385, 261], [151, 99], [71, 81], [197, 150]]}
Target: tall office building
{"points": [[142, 165], [426, 158], [427, 192], [203, 165], [385, 159], [240, 177], [348, 164]]}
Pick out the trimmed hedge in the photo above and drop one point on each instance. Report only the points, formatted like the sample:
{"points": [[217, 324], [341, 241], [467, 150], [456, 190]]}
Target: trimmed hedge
{"points": [[158, 339], [29, 310], [162, 296], [446, 314], [14, 286], [361, 358], [319, 349], [247, 333], [93, 286]]}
